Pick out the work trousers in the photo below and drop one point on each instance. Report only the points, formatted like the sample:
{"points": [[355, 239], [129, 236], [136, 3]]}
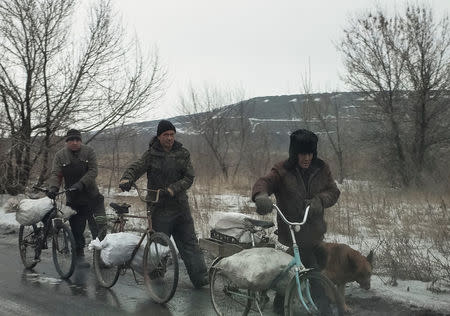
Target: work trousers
{"points": [[181, 227], [94, 214]]}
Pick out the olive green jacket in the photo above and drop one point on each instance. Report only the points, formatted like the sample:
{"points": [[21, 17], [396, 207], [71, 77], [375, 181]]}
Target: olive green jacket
{"points": [[72, 167], [165, 170]]}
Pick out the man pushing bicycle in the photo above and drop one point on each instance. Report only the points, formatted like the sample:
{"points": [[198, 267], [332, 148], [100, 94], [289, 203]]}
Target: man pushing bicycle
{"points": [[76, 165], [301, 180], [169, 169]]}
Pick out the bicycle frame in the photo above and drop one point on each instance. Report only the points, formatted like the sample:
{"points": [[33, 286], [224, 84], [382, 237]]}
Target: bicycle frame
{"points": [[296, 262], [154, 270], [50, 221], [122, 218]]}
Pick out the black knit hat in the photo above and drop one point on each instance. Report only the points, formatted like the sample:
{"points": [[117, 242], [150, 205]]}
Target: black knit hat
{"points": [[164, 126], [73, 134], [302, 142]]}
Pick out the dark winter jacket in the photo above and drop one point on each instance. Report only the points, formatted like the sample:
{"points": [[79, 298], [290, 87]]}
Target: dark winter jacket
{"points": [[165, 170], [290, 192], [72, 167]]}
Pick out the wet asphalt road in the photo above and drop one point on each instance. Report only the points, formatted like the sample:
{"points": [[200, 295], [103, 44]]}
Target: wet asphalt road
{"points": [[41, 292]]}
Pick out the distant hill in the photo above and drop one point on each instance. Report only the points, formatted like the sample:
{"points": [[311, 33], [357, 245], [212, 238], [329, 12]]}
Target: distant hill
{"points": [[275, 116]]}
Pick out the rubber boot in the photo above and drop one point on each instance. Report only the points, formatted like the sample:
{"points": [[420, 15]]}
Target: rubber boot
{"points": [[278, 304], [80, 260], [201, 281], [101, 231]]}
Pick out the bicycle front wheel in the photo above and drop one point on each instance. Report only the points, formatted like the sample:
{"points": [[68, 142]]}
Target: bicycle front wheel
{"points": [[107, 275], [63, 248], [227, 298], [318, 296], [160, 267], [28, 244]]}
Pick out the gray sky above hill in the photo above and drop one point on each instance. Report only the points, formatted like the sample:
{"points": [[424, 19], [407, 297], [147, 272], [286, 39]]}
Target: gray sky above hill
{"points": [[261, 46]]}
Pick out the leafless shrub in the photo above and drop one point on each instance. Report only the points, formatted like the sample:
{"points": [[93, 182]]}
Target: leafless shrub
{"points": [[409, 227]]}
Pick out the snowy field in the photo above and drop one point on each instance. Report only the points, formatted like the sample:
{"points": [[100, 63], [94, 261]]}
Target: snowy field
{"points": [[361, 233]]}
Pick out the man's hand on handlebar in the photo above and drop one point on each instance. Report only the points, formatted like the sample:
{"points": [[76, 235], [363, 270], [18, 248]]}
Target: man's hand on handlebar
{"points": [[168, 193], [77, 186], [52, 192], [263, 203], [125, 185], [316, 207]]}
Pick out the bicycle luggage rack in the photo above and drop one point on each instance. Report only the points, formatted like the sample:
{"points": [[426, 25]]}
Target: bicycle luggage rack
{"points": [[221, 245]]}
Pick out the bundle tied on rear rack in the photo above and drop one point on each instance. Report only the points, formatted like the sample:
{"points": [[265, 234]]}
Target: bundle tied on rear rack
{"points": [[233, 228], [256, 268], [117, 249]]}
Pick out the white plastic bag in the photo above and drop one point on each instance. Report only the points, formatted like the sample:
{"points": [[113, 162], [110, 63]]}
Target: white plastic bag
{"points": [[233, 224], [66, 212], [256, 268], [117, 248], [32, 211], [12, 204], [138, 260]]}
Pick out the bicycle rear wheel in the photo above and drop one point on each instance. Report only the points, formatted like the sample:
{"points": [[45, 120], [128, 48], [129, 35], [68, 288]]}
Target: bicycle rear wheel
{"points": [[63, 248], [107, 275], [28, 244], [226, 297], [319, 296], [160, 267]]}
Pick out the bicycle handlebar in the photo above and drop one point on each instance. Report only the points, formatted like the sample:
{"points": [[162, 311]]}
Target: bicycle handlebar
{"points": [[58, 193], [143, 199], [305, 217]]}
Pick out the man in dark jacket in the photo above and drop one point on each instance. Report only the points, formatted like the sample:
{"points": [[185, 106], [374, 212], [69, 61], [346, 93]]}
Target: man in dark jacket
{"points": [[169, 168], [76, 164], [301, 180]]}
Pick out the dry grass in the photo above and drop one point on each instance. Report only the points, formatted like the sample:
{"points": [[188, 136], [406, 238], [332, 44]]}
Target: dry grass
{"points": [[409, 231]]}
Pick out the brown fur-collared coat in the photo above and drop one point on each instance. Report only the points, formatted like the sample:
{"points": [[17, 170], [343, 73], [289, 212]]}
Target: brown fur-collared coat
{"points": [[290, 192]]}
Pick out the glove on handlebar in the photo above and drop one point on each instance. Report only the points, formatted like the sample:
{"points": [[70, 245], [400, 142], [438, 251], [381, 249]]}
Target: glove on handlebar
{"points": [[263, 203], [164, 194], [315, 206], [125, 185], [52, 192], [78, 186]]}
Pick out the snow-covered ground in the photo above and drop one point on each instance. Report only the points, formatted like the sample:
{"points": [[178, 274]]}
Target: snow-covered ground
{"points": [[409, 292]]}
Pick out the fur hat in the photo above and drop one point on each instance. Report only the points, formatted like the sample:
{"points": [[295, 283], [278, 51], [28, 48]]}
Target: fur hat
{"points": [[302, 142], [164, 126], [73, 134]]}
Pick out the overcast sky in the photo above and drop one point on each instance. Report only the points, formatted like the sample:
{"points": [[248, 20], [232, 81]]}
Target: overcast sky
{"points": [[262, 46]]}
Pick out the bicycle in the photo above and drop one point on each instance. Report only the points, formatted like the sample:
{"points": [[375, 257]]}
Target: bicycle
{"points": [[308, 291], [160, 261], [33, 239], [219, 245]]}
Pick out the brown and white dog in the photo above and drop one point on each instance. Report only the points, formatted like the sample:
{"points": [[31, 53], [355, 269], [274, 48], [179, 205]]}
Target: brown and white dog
{"points": [[345, 265]]}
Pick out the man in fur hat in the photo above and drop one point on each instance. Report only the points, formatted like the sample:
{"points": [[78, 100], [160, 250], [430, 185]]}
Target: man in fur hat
{"points": [[168, 167], [303, 179], [76, 165]]}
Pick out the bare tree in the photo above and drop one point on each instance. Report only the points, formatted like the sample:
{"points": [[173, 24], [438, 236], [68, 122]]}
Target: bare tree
{"points": [[428, 72], [333, 129], [212, 116], [326, 111], [402, 64], [375, 70], [50, 81]]}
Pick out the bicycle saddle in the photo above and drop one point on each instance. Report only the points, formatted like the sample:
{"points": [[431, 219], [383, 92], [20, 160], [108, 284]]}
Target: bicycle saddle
{"points": [[120, 208], [263, 224]]}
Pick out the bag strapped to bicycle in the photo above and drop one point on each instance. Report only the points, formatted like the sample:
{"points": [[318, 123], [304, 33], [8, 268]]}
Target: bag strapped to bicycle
{"points": [[222, 237]]}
